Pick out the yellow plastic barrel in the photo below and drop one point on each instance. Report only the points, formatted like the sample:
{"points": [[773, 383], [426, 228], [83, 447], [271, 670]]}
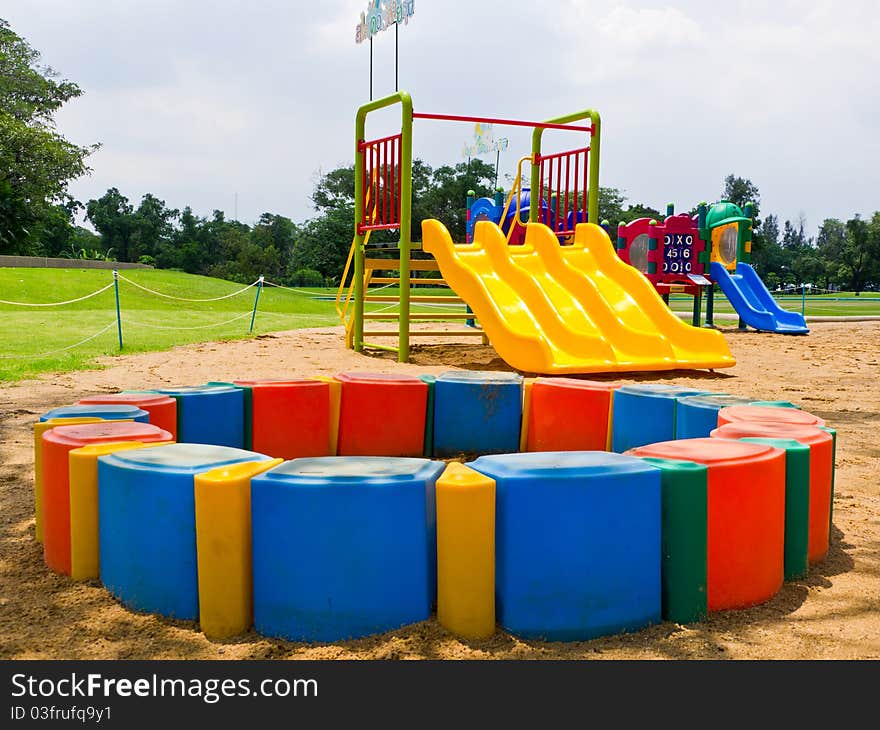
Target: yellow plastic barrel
{"points": [[223, 545], [83, 466], [335, 406], [466, 552], [39, 429]]}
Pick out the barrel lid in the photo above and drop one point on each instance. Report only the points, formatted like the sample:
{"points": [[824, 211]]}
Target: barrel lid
{"points": [[780, 443], [479, 376], [708, 451], [285, 383], [197, 389], [775, 403], [802, 433], [137, 399], [384, 378], [190, 458], [769, 414], [322, 469], [659, 390], [555, 464], [109, 412], [713, 401], [577, 383], [104, 431]]}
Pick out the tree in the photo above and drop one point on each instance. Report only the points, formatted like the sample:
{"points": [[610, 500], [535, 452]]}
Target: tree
{"points": [[112, 216], [829, 244], [741, 190], [36, 162], [860, 252]]}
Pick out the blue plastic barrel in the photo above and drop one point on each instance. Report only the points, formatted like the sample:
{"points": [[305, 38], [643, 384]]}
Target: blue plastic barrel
{"points": [[343, 546], [645, 414], [107, 412], [147, 525], [696, 416], [209, 414], [577, 546], [477, 412]]}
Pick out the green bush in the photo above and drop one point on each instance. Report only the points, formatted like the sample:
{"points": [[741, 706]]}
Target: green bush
{"points": [[148, 260], [306, 277]]}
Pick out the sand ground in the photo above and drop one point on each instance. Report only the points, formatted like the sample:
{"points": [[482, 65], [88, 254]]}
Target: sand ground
{"points": [[834, 613]]}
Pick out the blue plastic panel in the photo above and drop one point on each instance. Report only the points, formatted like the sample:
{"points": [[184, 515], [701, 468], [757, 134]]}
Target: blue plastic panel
{"points": [[209, 414], [645, 414], [696, 416], [107, 412]]}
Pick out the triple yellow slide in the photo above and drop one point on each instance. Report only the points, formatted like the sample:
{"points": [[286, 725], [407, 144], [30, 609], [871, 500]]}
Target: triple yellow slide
{"points": [[552, 309]]}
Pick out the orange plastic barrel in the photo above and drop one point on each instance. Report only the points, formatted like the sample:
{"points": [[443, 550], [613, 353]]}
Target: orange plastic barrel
{"points": [[162, 408], [382, 415], [768, 414], [821, 445], [58, 442], [566, 414], [291, 418], [745, 518]]}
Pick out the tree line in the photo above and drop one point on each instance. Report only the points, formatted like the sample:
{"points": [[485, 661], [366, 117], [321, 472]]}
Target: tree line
{"points": [[38, 214]]}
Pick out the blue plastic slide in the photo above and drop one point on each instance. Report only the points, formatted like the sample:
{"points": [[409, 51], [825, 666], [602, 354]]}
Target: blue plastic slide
{"points": [[754, 303]]}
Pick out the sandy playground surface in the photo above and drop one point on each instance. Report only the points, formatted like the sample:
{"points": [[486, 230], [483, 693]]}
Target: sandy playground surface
{"points": [[834, 372]]}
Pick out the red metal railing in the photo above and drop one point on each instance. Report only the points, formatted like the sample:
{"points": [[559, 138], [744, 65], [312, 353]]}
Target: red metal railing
{"points": [[564, 177], [380, 207]]}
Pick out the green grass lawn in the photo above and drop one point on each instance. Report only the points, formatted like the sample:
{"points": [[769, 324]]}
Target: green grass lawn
{"points": [[839, 304]]}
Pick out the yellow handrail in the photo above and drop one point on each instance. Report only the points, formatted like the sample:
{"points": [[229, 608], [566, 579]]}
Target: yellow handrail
{"points": [[515, 190], [342, 309]]}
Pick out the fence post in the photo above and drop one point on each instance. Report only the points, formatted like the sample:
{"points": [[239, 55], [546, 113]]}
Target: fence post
{"points": [[256, 301], [803, 298], [118, 313]]}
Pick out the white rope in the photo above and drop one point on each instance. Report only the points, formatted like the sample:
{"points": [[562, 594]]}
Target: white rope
{"points": [[58, 304], [127, 320], [184, 299], [63, 349], [311, 293]]}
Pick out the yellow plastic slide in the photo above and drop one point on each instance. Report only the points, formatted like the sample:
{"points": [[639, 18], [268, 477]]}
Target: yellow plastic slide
{"points": [[552, 309]]}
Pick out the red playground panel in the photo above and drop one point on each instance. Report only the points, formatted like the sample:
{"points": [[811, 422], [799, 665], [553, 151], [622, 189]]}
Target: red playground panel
{"points": [[768, 414], [382, 415], [567, 414], [291, 418]]}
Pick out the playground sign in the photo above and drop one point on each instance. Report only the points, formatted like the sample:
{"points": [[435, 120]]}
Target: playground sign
{"points": [[381, 15], [484, 142]]}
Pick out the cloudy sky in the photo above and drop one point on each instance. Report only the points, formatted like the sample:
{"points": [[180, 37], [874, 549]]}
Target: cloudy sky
{"points": [[240, 105]]}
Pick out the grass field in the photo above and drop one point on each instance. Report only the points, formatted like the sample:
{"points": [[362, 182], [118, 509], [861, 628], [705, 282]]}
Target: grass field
{"points": [[151, 322]]}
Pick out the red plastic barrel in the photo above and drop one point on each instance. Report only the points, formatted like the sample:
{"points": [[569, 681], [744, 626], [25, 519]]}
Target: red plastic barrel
{"points": [[821, 446], [382, 415], [567, 414], [291, 418], [57, 443], [768, 414], [162, 408], [746, 516]]}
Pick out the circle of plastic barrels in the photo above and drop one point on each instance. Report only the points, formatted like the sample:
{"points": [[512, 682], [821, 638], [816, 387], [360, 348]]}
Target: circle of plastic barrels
{"points": [[147, 528], [106, 412], [821, 470], [162, 408], [768, 414], [382, 415], [567, 414], [697, 415], [745, 526], [40, 427], [343, 546], [209, 414], [577, 550], [645, 414], [477, 412], [289, 418], [58, 442]]}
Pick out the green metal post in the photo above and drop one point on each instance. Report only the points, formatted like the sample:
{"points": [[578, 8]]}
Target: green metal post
{"points": [[593, 192], [697, 305], [803, 298], [405, 242], [118, 312], [710, 305], [256, 301]]}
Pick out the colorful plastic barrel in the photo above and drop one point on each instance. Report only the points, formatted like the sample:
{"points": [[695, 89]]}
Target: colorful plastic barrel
{"points": [[39, 429], [223, 547], [58, 442], [775, 403], [566, 414], [466, 552], [797, 504], [821, 470], [106, 412], [430, 381], [745, 518], [84, 552], [645, 414], [382, 415], [289, 418], [577, 551], [685, 510], [343, 546], [697, 415], [477, 412], [147, 530], [162, 408], [768, 414], [209, 414]]}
